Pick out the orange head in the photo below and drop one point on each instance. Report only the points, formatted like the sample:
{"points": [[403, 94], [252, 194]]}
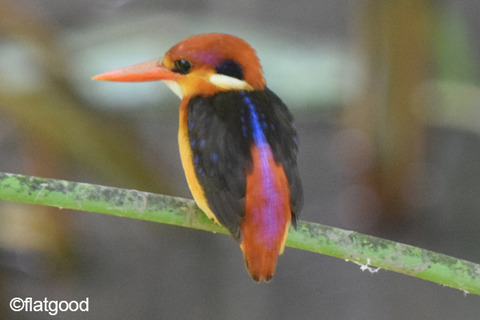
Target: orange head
{"points": [[199, 65]]}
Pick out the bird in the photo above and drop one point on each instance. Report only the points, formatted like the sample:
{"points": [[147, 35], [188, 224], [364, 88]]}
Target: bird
{"points": [[237, 140]]}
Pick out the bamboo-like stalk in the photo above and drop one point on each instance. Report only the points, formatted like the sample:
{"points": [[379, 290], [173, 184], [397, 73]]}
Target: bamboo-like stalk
{"points": [[365, 250]]}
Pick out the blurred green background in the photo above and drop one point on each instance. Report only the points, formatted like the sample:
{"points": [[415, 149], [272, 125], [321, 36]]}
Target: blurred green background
{"points": [[386, 100]]}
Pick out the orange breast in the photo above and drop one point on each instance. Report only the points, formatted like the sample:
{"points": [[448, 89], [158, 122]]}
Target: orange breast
{"points": [[187, 163]]}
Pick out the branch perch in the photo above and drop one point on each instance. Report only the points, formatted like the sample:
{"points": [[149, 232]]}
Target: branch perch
{"points": [[349, 245]]}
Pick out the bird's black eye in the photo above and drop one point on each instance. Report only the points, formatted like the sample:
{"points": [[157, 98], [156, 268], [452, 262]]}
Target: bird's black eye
{"points": [[230, 68], [182, 66]]}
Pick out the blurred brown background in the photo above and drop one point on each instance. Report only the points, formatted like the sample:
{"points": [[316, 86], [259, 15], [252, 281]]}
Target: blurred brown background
{"points": [[386, 100]]}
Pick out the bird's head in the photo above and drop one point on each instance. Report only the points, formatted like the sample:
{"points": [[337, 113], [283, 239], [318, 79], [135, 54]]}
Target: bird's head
{"points": [[200, 65]]}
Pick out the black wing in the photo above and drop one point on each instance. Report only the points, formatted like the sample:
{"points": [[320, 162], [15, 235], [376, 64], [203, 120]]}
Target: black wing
{"points": [[220, 137]]}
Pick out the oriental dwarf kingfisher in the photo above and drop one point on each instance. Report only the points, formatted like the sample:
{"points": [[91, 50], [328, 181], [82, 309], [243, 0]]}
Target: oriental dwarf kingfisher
{"points": [[237, 140]]}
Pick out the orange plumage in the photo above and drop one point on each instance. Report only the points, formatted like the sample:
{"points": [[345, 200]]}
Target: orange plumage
{"points": [[267, 215]]}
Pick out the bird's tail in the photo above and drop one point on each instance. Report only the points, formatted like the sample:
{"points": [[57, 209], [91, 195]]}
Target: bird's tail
{"points": [[260, 261], [267, 215]]}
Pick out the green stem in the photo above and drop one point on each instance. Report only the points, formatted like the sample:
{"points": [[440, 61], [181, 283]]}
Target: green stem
{"points": [[362, 249]]}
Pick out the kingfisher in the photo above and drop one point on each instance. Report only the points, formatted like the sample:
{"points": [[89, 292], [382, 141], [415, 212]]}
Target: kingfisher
{"points": [[237, 141]]}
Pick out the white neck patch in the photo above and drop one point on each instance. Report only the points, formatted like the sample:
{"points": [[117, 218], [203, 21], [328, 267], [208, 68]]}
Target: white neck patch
{"points": [[229, 83]]}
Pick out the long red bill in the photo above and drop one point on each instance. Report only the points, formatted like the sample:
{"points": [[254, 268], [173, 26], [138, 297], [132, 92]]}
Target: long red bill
{"points": [[145, 71]]}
